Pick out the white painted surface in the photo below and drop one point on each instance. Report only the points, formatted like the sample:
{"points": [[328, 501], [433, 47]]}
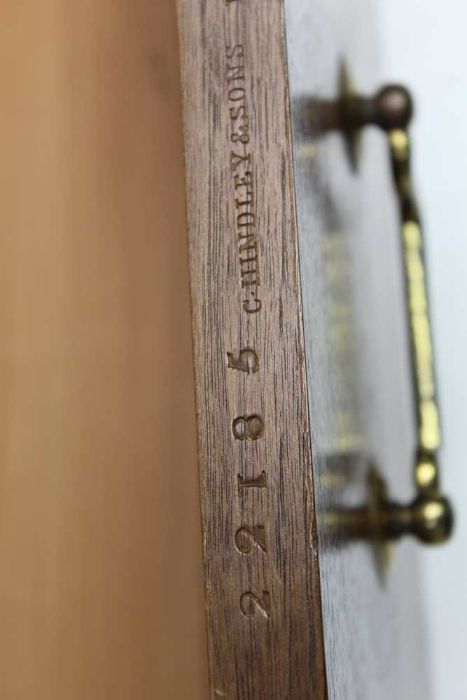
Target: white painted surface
{"points": [[424, 45]]}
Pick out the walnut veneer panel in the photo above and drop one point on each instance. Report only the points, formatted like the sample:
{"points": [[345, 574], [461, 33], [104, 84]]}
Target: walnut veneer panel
{"points": [[262, 578]]}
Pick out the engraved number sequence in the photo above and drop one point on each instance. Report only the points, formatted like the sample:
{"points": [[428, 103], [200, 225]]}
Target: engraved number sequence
{"points": [[250, 538]]}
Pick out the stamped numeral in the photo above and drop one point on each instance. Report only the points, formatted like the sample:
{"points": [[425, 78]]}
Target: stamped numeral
{"points": [[252, 605], [247, 537], [247, 361], [259, 482], [248, 427]]}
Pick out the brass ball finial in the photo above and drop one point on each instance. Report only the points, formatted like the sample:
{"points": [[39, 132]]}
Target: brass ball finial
{"points": [[393, 107], [429, 518], [432, 518]]}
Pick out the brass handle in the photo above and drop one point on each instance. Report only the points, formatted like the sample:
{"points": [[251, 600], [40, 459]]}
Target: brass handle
{"points": [[429, 516]]}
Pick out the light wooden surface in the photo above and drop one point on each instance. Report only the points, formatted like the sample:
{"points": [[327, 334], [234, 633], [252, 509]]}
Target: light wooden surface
{"points": [[101, 594]]}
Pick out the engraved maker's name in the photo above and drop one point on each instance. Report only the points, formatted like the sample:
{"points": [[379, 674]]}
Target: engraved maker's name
{"points": [[242, 172]]}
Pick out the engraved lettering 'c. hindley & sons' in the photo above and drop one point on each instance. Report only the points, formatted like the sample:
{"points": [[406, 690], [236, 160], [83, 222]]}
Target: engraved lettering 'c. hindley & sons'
{"points": [[242, 171]]}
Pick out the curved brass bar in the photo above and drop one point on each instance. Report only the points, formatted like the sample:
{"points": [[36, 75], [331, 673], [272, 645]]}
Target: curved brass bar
{"points": [[429, 517]]}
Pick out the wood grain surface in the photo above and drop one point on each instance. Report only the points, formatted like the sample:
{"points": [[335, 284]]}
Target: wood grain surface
{"points": [[262, 578], [101, 592]]}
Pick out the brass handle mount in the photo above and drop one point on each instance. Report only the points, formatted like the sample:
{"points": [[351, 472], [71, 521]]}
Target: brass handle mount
{"points": [[429, 516]]}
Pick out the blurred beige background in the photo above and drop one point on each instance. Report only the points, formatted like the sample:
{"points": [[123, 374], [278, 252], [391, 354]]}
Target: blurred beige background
{"points": [[101, 594]]}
